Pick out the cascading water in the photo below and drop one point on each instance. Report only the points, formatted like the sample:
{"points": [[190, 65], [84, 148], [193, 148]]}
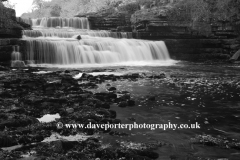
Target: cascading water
{"points": [[69, 33], [96, 48], [16, 55], [59, 22], [16, 58]]}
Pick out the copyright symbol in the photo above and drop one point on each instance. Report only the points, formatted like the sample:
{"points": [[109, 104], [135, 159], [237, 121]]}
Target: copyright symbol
{"points": [[59, 125]]}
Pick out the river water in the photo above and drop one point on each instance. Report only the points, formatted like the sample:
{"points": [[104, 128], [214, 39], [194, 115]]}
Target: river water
{"points": [[190, 93]]}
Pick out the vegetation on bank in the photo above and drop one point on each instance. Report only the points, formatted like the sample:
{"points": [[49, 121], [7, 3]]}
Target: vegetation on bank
{"points": [[64, 8], [203, 10], [206, 11], [194, 11]]}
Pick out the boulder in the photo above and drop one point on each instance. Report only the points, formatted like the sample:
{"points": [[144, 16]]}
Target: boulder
{"points": [[7, 141], [17, 64], [123, 104], [9, 28]]}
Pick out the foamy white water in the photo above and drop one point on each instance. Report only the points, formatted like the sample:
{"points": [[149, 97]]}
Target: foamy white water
{"points": [[130, 64], [94, 50], [69, 33], [16, 55], [52, 22], [55, 47]]}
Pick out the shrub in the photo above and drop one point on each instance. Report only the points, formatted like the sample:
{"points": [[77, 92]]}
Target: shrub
{"points": [[56, 11], [129, 8]]}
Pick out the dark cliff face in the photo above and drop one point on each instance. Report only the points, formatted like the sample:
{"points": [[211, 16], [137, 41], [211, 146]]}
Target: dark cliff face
{"points": [[9, 28], [109, 20], [113, 23], [10, 31], [159, 20]]}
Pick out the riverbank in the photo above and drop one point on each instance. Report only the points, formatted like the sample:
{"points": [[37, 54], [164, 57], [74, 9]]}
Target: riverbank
{"points": [[182, 94]]}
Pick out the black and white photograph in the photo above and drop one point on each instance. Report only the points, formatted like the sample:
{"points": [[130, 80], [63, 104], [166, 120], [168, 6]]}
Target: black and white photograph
{"points": [[119, 80]]}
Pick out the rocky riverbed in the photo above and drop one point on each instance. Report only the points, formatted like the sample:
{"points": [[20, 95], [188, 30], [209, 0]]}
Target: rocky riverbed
{"points": [[181, 94]]}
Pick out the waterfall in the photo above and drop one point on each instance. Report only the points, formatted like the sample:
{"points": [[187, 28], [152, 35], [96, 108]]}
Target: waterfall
{"points": [[59, 22], [25, 20], [66, 33], [16, 58], [16, 55], [52, 42], [94, 50]]}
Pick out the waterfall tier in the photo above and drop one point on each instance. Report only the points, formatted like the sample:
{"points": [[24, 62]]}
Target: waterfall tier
{"points": [[93, 50], [59, 22], [67, 33], [17, 58], [16, 55]]}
